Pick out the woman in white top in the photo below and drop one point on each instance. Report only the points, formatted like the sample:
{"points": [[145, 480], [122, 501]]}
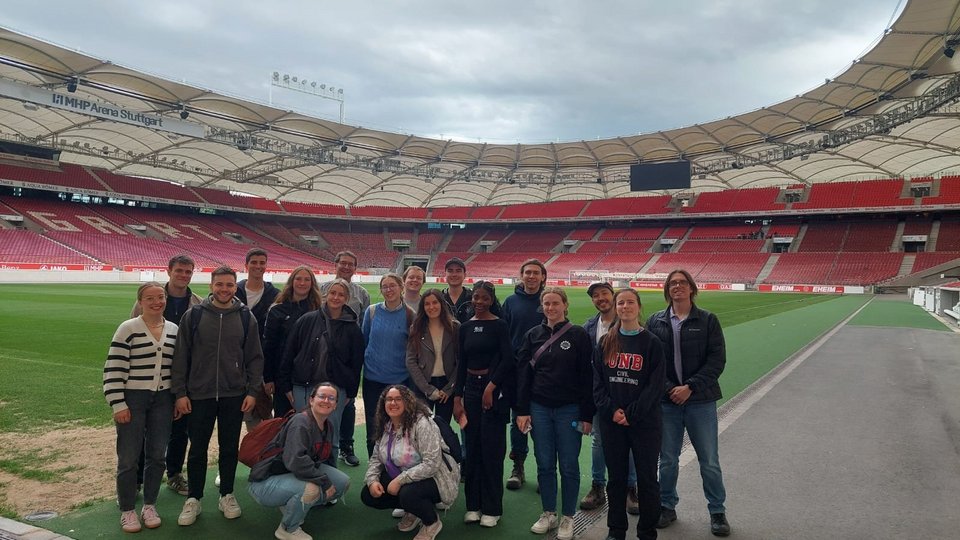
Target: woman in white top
{"points": [[136, 383]]}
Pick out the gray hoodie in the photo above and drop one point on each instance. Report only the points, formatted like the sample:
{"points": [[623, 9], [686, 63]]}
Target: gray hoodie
{"points": [[214, 363]]}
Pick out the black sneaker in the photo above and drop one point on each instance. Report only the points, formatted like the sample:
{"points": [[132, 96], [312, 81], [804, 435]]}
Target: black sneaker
{"points": [[667, 516], [719, 525], [348, 457], [516, 478]]}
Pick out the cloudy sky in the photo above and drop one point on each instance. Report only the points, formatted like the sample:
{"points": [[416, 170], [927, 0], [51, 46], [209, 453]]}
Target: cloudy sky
{"points": [[496, 71]]}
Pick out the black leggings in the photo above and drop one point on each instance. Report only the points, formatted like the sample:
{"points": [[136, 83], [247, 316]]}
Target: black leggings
{"points": [[419, 498], [618, 442]]}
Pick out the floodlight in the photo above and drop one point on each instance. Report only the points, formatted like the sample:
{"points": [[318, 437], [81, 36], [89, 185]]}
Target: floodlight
{"points": [[294, 79], [276, 76], [184, 114], [323, 87], [343, 148], [286, 78], [313, 84], [340, 91], [949, 51], [72, 84]]}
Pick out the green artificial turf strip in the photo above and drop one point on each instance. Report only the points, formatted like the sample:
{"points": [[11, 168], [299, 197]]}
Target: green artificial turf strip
{"points": [[896, 313]]}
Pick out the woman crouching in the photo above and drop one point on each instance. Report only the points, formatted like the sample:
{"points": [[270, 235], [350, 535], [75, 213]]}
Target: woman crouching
{"points": [[409, 467], [305, 474]]}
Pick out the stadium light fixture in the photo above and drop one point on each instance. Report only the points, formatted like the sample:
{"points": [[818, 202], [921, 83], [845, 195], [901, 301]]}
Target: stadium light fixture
{"points": [[949, 48], [184, 113], [302, 84], [72, 84]]}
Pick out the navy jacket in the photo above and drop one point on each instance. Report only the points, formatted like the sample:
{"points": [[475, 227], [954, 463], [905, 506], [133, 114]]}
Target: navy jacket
{"points": [[521, 312]]}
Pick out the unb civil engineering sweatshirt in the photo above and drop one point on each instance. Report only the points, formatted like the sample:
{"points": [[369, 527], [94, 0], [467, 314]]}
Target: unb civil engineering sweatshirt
{"points": [[633, 381]]}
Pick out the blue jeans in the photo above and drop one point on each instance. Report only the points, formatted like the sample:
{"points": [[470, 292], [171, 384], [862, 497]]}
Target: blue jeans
{"points": [[599, 464], [555, 439], [700, 422], [151, 415], [301, 395], [286, 492]]}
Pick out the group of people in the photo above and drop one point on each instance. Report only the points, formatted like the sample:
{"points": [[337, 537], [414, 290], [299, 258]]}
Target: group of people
{"points": [[420, 360]]}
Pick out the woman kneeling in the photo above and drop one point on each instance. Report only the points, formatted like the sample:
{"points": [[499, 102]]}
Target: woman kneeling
{"points": [[410, 467], [304, 475]]}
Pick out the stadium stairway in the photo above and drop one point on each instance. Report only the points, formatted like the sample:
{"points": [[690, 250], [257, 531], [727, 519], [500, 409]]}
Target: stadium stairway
{"points": [[898, 236], [906, 266], [653, 260], [932, 237], [768, 267], [99, 180], [798, 239]]}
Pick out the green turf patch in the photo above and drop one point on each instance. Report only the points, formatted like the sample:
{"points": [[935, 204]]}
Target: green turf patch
{"points": [[896, 313], [30, 465]]}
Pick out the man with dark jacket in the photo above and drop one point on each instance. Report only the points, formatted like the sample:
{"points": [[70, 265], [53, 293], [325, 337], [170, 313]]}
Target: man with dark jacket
{"points": [[457, 297], [601, 294], [323, 347], [521, 312], [216, 373], [258, 295], [696, 355]]}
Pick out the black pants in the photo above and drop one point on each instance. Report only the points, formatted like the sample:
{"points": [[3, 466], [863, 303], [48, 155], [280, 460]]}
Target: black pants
{"points": [[486, 447], [371, 396], [348, 423], [418, 498], [177, 447], [443, 410], [618, 441], [281, 404], [226, 413]]}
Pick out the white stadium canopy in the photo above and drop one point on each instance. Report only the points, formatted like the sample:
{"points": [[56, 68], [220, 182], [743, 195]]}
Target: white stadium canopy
{"points": [[892, 113]]}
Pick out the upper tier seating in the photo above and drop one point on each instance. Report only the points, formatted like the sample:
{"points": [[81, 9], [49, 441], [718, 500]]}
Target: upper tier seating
{"points": [[451, 213], [871, 193], [740, 231], [736, 200], [389, 212], [524, 240], [628, 206], [949, 192], [870, 236], [68, 176], [559, 209], [157, 189], [583, 234]]}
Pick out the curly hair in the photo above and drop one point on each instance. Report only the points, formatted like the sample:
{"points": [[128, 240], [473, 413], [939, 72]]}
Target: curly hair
{"points": [[413, 408]]}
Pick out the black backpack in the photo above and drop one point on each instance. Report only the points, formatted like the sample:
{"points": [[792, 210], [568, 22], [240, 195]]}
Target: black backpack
{"points": [[449, 438]]}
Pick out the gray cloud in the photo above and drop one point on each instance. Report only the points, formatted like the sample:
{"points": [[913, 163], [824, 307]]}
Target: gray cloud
{"points": [[497, 71]]}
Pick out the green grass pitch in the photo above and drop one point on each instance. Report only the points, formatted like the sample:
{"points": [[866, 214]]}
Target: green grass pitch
{"points": [[54, 340]]}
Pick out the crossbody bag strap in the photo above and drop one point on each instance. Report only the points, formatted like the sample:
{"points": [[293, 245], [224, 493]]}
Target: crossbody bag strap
{"points": [[543, 348]]}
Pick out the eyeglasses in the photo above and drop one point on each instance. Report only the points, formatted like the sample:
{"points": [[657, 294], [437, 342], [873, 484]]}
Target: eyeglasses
{"points": [[325, 397], [389, 287], [347, 264], [393, 399], [679, 283]]}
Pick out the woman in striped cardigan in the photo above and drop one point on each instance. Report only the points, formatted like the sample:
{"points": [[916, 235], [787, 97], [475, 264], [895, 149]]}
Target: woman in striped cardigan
{"points": [[136, 383]]}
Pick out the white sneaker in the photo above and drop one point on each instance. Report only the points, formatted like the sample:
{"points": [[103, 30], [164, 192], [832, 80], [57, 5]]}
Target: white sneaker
{"points": [[216, 481], [398, 512], [565, 532], [489, 521], [229, 506], [408, 522], [283, 534], [429, 532], [471, 517], [191, 509], [547, 521]]}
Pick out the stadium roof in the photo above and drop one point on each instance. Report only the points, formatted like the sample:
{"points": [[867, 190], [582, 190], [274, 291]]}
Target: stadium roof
{"points": [[892, 113]]}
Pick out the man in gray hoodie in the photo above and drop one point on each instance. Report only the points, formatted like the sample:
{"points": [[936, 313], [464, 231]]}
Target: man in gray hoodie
{"points": [[217, 370]]}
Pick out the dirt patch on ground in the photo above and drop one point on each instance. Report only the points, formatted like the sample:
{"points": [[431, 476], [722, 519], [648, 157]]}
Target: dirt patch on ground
{"points": [[84, 461]]}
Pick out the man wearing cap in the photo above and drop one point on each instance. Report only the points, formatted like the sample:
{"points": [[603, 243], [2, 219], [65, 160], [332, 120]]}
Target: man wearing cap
{"points": [[602, 294], [457, 297]]}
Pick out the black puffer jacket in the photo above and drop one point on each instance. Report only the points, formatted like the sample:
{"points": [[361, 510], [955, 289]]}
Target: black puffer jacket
{"points": [[703, 352], [279, 323], [320, 348]]}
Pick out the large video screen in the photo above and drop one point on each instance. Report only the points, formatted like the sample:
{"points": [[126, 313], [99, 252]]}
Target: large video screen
{"points": [[672, 175]]}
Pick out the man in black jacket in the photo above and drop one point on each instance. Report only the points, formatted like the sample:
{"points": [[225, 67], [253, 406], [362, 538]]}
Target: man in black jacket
{"points": [[457, 297], [696, 355]]}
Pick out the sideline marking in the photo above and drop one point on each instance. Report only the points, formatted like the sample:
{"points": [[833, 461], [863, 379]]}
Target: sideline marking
{"points": [[730, 411], [46, 363]]}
